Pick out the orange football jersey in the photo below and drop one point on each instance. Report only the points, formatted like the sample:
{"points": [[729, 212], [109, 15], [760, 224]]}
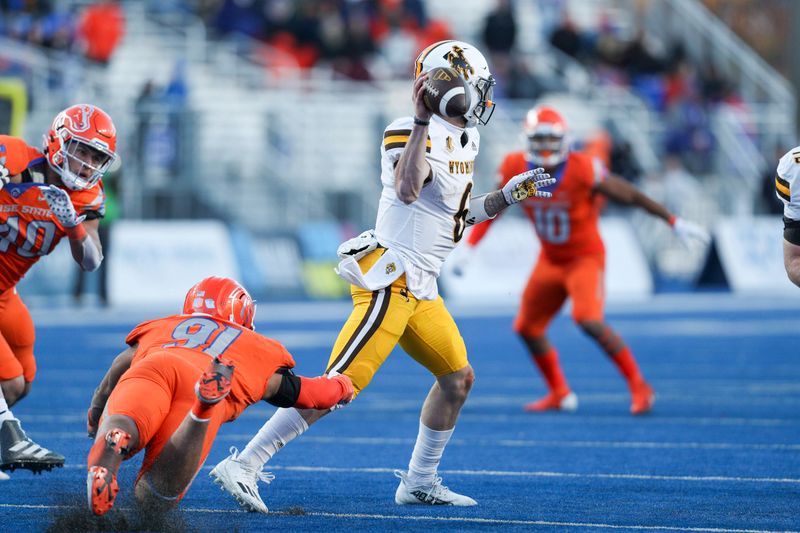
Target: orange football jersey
{"points": [[199, 338], [28, 230], [567, 223]]}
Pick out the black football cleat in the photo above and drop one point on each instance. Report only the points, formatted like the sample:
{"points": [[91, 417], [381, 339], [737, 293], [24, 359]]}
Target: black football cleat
{"points": [[17, 450]]}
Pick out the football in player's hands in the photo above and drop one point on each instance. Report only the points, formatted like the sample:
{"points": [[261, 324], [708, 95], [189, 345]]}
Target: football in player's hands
{"points": [[446, 93]]}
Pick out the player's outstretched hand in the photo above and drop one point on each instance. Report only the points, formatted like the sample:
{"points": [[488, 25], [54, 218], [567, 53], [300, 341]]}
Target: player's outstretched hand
{"points": [[527, 185], [688, 231], [61, 206], [5, 174]]}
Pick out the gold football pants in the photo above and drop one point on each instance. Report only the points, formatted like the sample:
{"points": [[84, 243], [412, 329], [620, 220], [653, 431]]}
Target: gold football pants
{"points": [[380, 319]]}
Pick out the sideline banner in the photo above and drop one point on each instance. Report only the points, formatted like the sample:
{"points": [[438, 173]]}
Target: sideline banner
{"points": [[504, 260], [751, 253], [155, 262]]}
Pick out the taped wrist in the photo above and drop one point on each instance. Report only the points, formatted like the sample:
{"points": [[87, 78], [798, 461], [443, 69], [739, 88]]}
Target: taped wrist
{"points": [[92, 256], [319, 393], [288, 391], [791, 231], [477, 210]]}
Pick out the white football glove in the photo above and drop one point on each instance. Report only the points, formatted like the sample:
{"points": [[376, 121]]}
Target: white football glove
{"points": [[688, 231], [61, 206], [5, 174], [527, 185], [358, 247]]}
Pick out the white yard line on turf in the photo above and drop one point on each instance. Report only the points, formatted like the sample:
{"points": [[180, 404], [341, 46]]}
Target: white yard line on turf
{"points": [[517, 473], [509, 443], [449, 519]]}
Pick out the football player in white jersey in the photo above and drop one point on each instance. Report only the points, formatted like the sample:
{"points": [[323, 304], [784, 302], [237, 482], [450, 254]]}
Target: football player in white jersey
{"points": [[787, 187], [427, 164]]}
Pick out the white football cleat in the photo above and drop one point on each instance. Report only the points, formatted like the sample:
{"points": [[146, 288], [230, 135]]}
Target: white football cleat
{"points": [[433, 494], [4, 476], [241, 481]]}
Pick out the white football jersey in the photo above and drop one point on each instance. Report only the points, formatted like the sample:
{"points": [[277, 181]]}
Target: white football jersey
{"points": [[787, 183], [424, 232]]}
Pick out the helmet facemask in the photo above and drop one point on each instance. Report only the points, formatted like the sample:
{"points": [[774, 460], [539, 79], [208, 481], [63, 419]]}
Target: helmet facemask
{"points": [[547, 149], [546, 136], [482, 92], [81, 146], [82, 163], [469, 62]]}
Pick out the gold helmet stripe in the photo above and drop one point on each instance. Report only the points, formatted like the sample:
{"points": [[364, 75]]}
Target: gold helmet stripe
{"points": [[424, 54]]}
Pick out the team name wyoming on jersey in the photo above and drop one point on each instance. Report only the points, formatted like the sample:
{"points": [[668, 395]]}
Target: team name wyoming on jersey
{"points": [[426, 230], [461, 167]]}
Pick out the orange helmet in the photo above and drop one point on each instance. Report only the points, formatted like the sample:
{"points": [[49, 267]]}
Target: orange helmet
{"points": [[546, 131], [221, 298], [81, 145]]}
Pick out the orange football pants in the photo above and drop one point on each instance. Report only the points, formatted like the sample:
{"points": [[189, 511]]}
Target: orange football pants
{"points": [[17, 336], [157, 392], [582, 280]]}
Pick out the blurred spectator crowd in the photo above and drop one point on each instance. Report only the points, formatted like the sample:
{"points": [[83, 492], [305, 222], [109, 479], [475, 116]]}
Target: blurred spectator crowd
{"points": [[366, 40], [93, 30], [683, 93]]}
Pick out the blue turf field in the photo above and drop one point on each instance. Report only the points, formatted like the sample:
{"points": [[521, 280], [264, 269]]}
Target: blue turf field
{"points": [[721, 451]]}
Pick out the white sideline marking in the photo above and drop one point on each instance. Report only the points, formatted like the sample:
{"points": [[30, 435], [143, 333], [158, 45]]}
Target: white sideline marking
{"points": [[510, 443], [469, 520], [509, 473], [556, 418], [516, 473]]}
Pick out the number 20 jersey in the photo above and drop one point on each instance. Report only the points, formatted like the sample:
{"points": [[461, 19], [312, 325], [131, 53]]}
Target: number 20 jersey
{"points": [[28, 230], [424, 232]]}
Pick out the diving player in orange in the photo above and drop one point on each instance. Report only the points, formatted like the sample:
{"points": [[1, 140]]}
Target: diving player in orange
{"points": [[44, 196], [197, 370], [572, 258]]}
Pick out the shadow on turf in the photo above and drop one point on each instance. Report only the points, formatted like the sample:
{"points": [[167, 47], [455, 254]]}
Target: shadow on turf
{"points": [[73, 516]]}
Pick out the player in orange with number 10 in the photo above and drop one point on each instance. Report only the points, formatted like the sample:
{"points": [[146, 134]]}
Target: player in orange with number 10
{"points": [[572, 258], [44, 196]]}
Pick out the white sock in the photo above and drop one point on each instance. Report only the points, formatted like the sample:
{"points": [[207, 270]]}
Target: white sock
{"points": [[427, 453], [284, 426], [5, 412]]}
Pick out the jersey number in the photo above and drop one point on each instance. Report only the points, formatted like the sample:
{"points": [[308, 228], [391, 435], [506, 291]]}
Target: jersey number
{"points": [[552, 224], [29, 244], [461, 215], [197, 331]]}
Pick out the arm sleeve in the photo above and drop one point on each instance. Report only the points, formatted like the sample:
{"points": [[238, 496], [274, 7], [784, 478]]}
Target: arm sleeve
{"points": [[786, 183], [320, 393]]}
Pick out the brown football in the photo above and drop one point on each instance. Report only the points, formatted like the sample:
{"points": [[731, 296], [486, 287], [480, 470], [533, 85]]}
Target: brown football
{"points": [[446, 93]]}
